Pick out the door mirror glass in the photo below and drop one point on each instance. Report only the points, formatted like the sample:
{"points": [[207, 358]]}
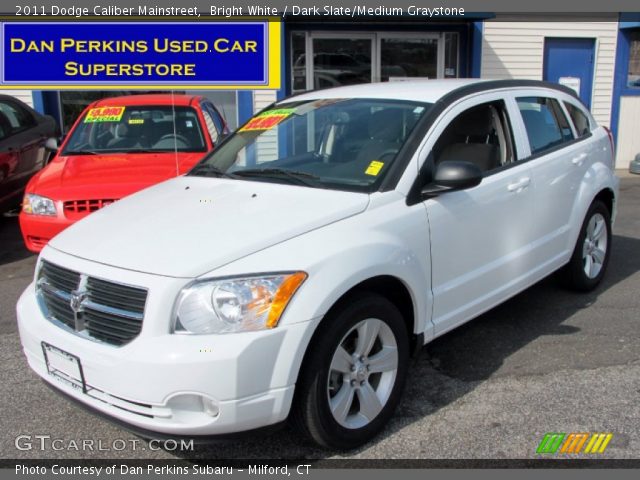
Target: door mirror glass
{"points": [[453, 175]]}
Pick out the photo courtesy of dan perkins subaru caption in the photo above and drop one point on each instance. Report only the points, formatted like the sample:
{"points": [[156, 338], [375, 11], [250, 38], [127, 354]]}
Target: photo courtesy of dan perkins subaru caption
{"points": [[122, 469]]}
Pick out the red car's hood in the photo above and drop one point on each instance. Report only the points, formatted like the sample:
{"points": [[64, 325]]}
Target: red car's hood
{"points": [[110, 176]]}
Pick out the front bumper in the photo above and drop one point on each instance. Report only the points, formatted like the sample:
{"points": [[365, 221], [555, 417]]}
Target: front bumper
{"points": [[37, 230], [172, 383]]}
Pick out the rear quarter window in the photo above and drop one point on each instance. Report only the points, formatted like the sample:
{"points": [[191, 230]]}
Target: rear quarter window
{"points": [[579, 119]]}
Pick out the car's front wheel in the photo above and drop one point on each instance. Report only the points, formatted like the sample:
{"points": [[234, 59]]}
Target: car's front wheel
{"points": [[354, 373], [590, 257]]}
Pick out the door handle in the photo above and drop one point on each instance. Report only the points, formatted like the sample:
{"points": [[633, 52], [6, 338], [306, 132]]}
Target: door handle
{"points": [[519, 185], [579, 159]]}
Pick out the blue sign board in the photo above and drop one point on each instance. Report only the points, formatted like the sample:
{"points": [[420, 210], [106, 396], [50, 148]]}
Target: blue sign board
{"points": [[125, 54]]}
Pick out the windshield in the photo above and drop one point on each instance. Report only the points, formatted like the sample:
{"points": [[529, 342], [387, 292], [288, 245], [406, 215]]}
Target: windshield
{"points": [[346, 144], [149, 129]]}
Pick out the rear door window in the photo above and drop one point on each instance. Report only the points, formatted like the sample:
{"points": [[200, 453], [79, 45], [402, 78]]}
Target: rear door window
{"points": [[546, 125]]}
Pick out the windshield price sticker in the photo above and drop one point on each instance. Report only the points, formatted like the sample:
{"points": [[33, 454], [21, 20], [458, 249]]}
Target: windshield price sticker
{"points": [[104, 114], [267, 120], [374, 168]]}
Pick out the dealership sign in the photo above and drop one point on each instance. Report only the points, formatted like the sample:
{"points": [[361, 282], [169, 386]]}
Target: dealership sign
{"points": [[229, 54]]}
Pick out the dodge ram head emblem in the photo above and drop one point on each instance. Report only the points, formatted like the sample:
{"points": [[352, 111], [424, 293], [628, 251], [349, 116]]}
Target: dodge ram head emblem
{"points": [[75, 302]]}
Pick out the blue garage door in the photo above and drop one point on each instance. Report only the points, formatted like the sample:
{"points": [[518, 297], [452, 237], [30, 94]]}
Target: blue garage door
{"points": [[570, 58]]}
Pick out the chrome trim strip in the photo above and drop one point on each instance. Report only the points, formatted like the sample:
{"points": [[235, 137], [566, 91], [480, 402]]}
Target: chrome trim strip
{"points": [[88, 304]]}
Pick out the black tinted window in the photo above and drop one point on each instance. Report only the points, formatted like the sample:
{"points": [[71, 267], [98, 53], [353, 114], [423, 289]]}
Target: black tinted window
{"points": [[579, 119], [546, 125], [17, 116]]}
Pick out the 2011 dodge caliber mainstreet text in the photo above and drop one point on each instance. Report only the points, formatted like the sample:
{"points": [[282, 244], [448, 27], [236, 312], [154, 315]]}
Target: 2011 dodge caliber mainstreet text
{"points": [[292, 271]]}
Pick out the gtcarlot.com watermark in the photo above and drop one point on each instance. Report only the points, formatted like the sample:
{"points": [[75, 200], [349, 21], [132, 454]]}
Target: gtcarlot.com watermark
{"points": [[49, 443]]}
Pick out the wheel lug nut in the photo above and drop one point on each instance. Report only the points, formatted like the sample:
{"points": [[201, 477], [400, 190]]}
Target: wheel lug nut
{"points": [[362, 383], [361, 359], [353, 383]]}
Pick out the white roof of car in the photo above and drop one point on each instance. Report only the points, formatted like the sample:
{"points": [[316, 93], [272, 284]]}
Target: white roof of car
{"points": [[417, 90]]}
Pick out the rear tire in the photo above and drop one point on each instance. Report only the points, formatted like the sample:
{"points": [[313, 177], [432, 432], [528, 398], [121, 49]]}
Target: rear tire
{"points": [[591, 254], [353, 375]]}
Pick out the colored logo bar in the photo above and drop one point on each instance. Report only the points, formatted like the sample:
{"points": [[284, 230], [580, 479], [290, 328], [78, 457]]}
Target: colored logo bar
{"points": [[574, 443]]}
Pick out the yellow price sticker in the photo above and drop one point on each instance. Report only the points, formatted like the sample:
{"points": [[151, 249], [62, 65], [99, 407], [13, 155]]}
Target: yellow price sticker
{"points": [[104, 114], [136, 121], [267, 120], [374, 168]]}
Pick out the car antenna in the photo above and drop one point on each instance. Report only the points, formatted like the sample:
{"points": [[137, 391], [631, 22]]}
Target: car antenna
{"points": [[175, 133]]}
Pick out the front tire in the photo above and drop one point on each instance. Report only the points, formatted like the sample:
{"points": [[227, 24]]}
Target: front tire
{"points": [[354, 373], [591, 254]]}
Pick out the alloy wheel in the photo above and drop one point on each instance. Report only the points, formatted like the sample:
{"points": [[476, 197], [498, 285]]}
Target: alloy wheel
{"points": [[362, 373], [594, 249]]}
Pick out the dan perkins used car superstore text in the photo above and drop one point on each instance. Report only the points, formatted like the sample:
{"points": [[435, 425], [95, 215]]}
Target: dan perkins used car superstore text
{"points": [[158, 470]]}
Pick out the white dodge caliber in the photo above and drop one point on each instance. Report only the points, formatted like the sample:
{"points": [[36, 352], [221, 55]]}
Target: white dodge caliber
{"points": [[294, 270]]}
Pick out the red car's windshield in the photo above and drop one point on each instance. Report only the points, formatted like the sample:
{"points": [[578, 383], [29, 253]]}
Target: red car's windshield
{"points": [[131, 129]]}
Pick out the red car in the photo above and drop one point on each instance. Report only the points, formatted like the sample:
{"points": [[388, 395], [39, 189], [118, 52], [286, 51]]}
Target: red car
{"points": [[116, 147]]}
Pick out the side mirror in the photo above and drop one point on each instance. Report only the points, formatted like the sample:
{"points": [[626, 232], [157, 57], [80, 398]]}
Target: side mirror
{"points": [[51, 144], [452, 175]]}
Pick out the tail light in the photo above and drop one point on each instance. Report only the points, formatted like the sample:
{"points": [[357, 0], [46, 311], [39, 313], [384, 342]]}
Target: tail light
{"points": [[613, 146]]}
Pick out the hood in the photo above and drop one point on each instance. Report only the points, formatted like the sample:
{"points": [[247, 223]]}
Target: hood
{"points": [[79, 177], [188, 226]]}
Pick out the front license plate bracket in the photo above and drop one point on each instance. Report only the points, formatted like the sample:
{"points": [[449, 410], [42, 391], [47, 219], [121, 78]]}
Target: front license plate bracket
{"points": [[64, 366]]}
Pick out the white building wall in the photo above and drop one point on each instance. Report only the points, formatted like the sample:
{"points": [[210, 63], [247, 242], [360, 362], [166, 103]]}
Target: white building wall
{"points": [[23, 95], [515, 49], [628, 131], [267, 143]]}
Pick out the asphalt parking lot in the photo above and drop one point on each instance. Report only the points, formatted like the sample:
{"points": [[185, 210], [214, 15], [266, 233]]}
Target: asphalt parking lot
{"points": [[546, 361]]}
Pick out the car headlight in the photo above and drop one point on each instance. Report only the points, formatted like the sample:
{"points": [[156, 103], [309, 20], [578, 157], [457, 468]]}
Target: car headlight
{"points": [[235, 304], [33, 204]]}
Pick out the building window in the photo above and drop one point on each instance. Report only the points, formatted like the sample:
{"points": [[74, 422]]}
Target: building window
{"points": [[323, 59], [633, 76], [451, 55], [298, 59], [407, 56]]}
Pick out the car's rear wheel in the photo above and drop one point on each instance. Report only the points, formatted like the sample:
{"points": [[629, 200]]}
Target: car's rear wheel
{"points": [[354, 373], [590, 257]]}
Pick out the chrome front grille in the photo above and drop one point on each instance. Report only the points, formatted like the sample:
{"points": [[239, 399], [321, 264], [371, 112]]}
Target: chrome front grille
{"points": [[98, 309], [58, 277]]}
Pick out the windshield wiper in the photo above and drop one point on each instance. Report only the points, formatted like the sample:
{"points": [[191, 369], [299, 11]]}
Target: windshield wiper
{"points": [[210, 170], [142, 150], [83, 152], [302, 178]]}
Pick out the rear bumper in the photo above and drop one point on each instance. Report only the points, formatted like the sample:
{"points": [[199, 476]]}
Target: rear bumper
{"points": [[634, 166]]}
